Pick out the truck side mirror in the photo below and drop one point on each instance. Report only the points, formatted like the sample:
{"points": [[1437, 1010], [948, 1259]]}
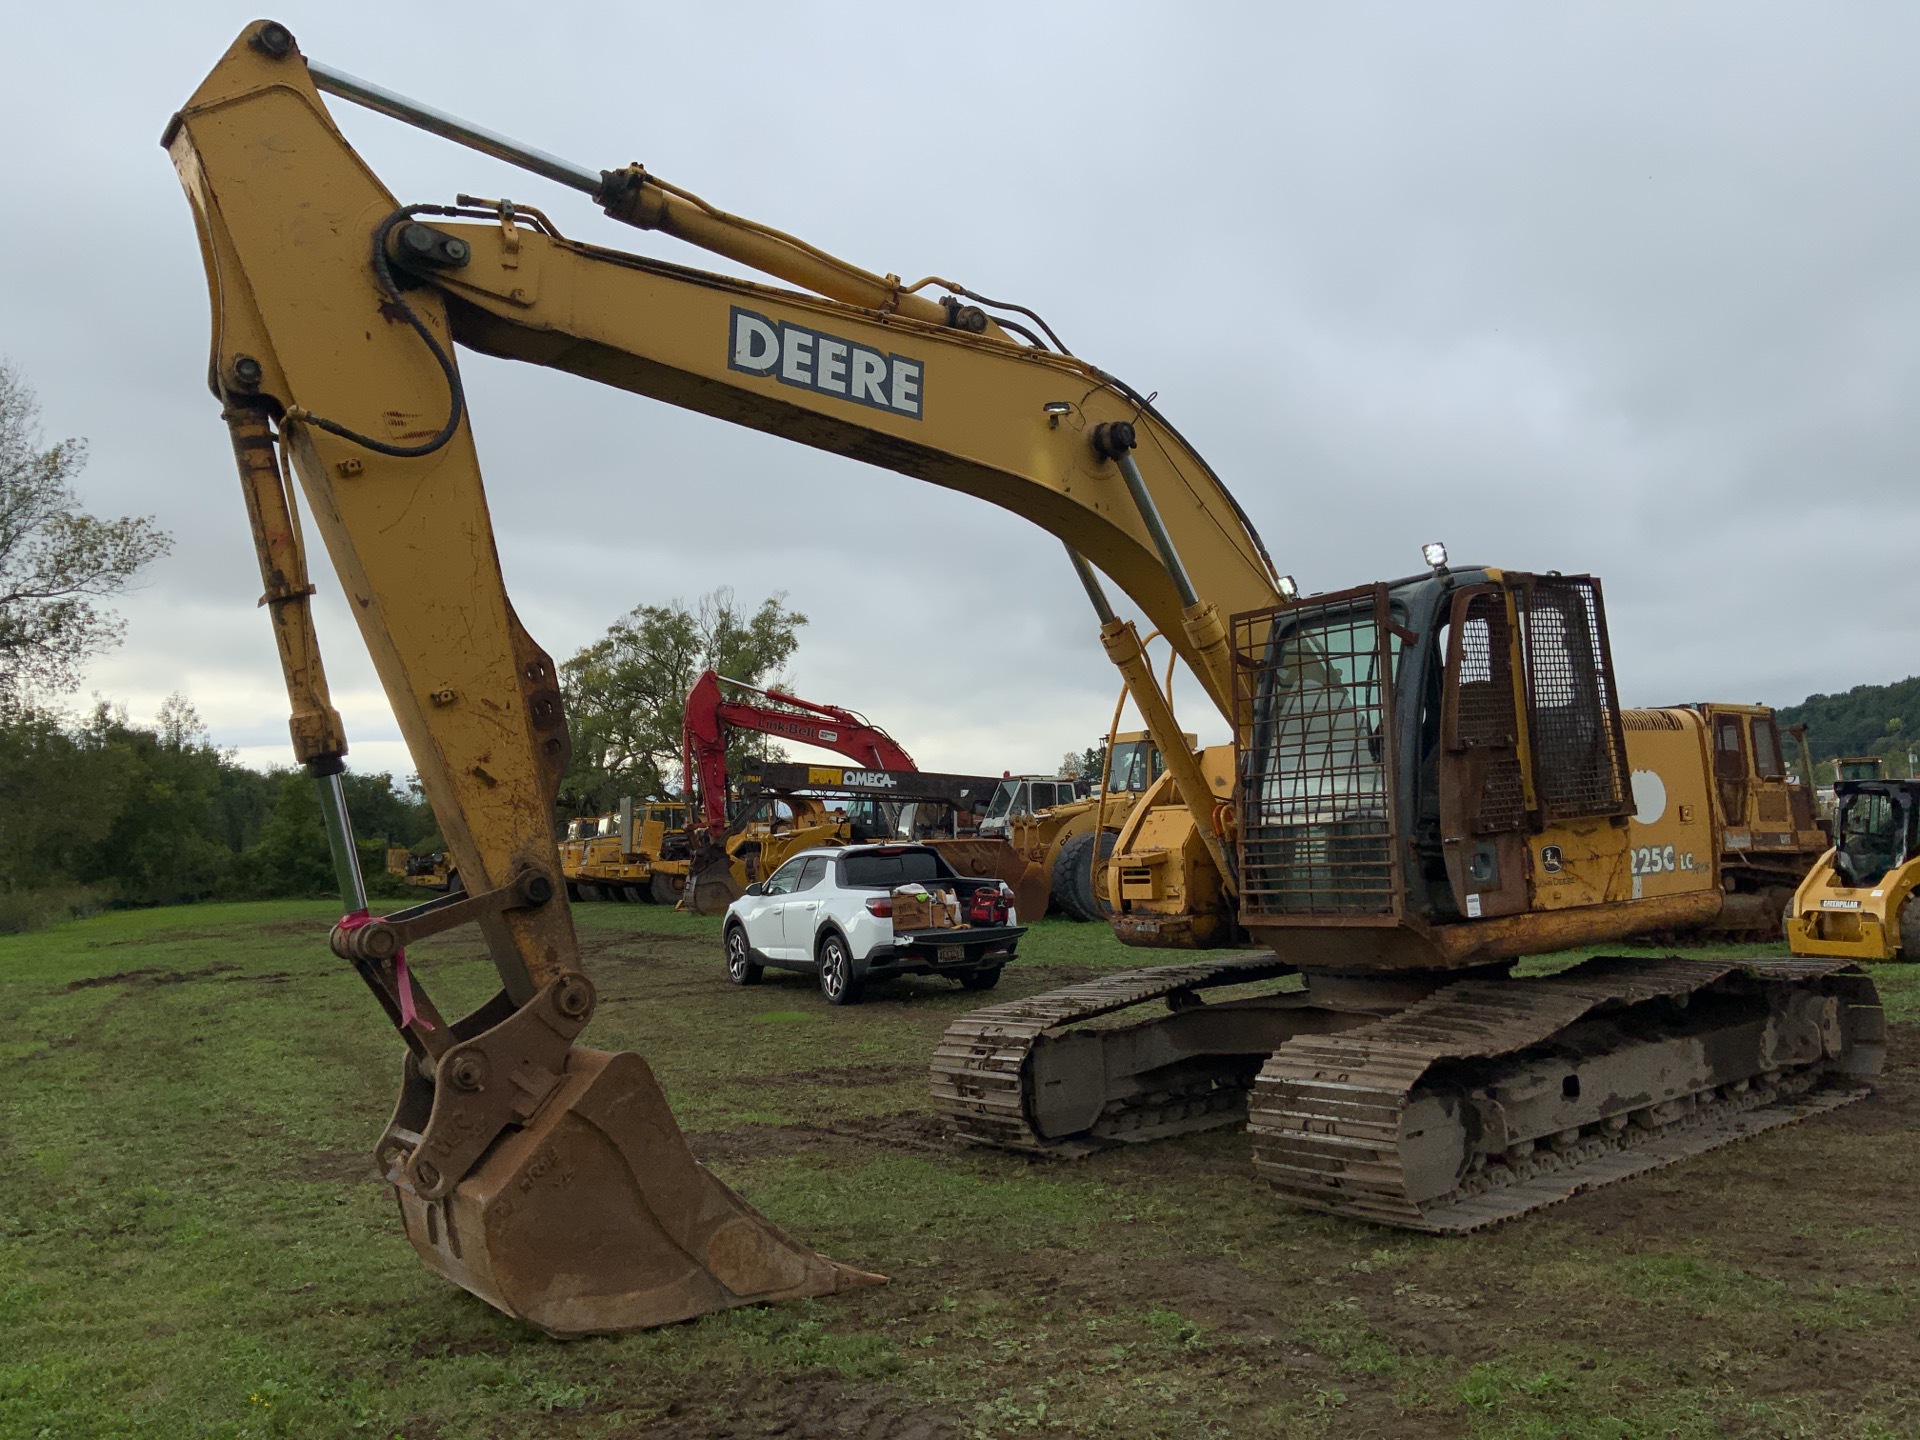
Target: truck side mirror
{"points": [[756, 889]]}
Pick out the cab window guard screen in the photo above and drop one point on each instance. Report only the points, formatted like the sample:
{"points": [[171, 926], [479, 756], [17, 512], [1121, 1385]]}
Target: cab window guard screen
{"points": [[1315, 712], [1573, 714]]}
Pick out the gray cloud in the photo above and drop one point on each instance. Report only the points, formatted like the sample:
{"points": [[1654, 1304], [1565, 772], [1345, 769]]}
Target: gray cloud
{"points": [[1622, 289]]}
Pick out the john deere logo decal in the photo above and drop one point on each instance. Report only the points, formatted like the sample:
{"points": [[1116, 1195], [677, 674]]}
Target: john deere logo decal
{"points": [[827, 364]]}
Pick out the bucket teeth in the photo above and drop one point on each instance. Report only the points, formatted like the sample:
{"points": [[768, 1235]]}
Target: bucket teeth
{"points": [[595, 1217]]}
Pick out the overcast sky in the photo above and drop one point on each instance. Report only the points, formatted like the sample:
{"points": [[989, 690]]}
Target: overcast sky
{"points": [[1630, 289]]}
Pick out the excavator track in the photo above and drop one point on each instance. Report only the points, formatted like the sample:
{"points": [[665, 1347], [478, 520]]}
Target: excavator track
{"points": [[1339, 1121], [982, 1068]]}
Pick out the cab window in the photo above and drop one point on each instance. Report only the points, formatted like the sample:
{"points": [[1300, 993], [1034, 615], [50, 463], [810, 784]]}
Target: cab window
{"points": [[811, 873], [1128, 770], [1766, 748], [1873, 838]]}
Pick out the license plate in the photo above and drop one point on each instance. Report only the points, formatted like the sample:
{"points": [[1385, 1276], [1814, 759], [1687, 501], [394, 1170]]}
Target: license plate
{"points": [[948, 953]]}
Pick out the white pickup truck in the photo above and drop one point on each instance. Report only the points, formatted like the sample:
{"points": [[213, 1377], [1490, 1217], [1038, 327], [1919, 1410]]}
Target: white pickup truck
{"points": [[829, 912]]}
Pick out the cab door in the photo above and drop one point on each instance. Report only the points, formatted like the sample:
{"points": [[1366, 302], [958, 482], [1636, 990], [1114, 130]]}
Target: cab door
{"points": [[1730, 767], [1483, 799]]}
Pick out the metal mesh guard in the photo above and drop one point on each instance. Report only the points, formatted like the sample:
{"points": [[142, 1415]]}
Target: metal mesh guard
{"points": [[1578, 750], [1314, 713]]}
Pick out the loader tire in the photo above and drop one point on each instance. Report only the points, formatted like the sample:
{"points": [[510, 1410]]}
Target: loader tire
{"points": [[664, 891], [1909, 929], [1073, 888]]}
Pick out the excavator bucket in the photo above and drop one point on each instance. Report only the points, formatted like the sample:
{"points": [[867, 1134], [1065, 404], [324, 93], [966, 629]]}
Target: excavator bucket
{"points": [[595, 1217]]}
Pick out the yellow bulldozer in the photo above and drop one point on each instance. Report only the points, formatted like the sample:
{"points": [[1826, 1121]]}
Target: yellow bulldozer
{"points": [[627, 854], [425, 872]]}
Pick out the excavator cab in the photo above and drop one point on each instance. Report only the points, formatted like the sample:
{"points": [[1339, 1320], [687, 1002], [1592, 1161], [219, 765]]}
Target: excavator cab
{"points": [[1433, 774]]}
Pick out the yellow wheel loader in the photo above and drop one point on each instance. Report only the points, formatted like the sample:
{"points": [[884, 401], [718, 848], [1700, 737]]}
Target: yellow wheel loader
{"points": [[1062, 837], [1853, 903], [1429, 777]]}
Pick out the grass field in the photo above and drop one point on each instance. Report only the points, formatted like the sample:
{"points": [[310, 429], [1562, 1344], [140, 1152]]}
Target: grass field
{"points": [[193, 1240]]}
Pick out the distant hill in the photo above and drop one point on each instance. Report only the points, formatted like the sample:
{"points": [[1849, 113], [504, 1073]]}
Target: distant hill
{"points": [[1867, 720]]}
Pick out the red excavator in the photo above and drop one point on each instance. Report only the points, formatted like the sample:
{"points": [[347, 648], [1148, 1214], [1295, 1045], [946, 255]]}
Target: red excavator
{"points": [[784, 809], [710, 714], [728, 851]]}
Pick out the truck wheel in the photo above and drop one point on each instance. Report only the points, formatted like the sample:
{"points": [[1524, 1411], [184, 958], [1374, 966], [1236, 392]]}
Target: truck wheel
{"points": [[836, 972], [980, 979], [664, 892], [742, 968]]}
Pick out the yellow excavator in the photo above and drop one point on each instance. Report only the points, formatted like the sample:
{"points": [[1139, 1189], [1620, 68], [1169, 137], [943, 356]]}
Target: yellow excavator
{"points": [[1758, 820], [1430, 777]]}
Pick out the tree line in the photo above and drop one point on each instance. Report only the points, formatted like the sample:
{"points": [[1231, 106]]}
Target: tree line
{"points": [[1879, 720], [98, 809]]}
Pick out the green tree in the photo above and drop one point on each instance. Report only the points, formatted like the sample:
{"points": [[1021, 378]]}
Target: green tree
{"points": [[1866, 720], [291, 857], [56, 561], [1089, 763], [172, 836], [626, 693], [58, 799], [138, 814], [384, 811]]}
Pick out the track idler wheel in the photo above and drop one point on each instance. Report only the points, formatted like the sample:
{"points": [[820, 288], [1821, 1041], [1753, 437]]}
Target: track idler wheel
{"points": [[594, 1217]]}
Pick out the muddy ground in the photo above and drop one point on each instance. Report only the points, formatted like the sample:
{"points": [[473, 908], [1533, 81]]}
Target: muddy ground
{"points": [[193, 1240]]}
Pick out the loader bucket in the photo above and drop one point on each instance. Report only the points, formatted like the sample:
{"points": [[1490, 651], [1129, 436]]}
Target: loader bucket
{"points": [[595, 1217], [710, 890], [1032, 886]]}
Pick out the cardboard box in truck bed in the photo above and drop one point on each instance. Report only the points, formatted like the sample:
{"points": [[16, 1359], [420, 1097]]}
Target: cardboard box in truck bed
{"points": [[923, 907]]}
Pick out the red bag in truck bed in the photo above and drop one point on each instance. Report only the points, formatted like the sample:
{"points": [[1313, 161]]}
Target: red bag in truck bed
{"points": [[989, 907]]}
